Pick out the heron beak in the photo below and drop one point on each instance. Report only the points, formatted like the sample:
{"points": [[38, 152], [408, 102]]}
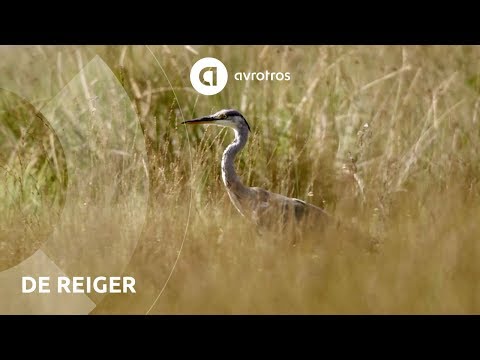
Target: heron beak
{"points": [[202, 120]]}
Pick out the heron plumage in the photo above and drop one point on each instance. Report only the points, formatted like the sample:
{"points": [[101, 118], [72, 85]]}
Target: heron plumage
{"points": [[259, 205]]}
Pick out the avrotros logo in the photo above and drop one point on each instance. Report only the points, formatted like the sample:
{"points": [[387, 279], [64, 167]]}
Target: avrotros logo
{"points": [[209, 76]]}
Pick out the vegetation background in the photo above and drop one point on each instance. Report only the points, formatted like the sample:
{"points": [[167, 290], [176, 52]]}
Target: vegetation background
{"points": [[384, 137]]}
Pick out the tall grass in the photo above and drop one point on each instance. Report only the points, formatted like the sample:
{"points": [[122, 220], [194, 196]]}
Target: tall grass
{"points": [[384, 137]]}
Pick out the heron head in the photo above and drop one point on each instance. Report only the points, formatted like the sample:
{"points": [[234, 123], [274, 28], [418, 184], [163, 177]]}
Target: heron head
{"points": [[226, 117]]}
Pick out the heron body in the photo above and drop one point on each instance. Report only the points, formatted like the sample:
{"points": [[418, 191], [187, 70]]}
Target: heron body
{"points": [[261, 206]]}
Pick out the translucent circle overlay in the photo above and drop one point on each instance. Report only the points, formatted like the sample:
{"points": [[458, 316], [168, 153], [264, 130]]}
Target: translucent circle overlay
{"points": [[106, 197], [33, 179]]}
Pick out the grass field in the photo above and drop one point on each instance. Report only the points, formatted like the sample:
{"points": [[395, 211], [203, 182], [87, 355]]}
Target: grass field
{"points": [[384, 137]]}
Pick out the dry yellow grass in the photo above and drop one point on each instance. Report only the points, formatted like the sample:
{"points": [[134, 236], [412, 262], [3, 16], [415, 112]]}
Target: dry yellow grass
{"points": [[385, 137]]}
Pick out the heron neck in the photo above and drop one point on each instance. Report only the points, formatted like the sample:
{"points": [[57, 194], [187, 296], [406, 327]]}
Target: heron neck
{"points": [[229, 175]]}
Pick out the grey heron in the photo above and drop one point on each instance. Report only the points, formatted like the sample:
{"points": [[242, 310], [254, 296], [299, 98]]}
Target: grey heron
{"points": [[263, 207]]}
